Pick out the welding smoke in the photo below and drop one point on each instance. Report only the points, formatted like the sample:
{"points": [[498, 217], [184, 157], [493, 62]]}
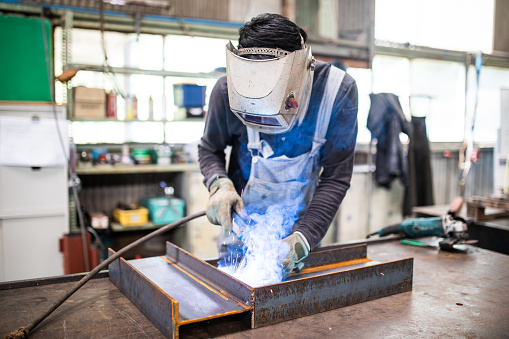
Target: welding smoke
{"points": [[263, 250]]}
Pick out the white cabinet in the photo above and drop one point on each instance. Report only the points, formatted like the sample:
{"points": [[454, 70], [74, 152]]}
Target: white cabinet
{"points": [[33, 210]]}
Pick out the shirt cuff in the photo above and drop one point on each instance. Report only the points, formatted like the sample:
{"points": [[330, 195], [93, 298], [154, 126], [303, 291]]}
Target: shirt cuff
{"points": [[212, 179], [305, 240]]}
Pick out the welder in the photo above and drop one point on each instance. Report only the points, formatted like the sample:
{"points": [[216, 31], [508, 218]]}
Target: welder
{"points": [[291, 122]]}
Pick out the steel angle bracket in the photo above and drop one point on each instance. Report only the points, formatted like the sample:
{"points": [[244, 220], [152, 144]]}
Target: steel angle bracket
{"points": [[180, 289], [172, 295]]}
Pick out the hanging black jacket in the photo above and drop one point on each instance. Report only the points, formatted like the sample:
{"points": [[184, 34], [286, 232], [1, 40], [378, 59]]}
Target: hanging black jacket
{"points": [[385, 122]]}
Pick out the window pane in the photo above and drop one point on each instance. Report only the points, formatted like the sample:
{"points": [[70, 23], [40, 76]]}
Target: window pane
{"points": [[392, 75], [145, 132], [116, 132], [144, 87], [465, 25], [444, 82], [97, 132], [492, 81], [183, 132], [193, 54], [144, 51], [362, 77], [87, 47]]}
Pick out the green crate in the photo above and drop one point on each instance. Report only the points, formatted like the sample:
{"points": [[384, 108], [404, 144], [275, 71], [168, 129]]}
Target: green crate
{"points": [[164, 211], [23, 59]]}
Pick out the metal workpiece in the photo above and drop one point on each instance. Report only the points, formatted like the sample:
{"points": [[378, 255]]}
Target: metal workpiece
{"points": [[332, 288], [179, 289], [237, 289], [148, 283]]}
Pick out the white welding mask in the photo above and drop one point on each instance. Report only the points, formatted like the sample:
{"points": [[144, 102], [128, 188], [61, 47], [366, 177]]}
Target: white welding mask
{"points": [[269, 95]]}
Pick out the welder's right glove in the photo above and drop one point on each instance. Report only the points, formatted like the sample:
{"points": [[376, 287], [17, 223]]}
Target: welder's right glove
{"points": [[299, 250], [223, 197]]}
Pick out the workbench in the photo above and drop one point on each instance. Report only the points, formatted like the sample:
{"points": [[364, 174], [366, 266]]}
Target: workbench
{"points": [[454, 295]]}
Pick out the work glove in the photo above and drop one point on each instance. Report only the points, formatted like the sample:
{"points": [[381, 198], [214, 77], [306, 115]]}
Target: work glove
{"points": [[299, 250], [223, 197]]}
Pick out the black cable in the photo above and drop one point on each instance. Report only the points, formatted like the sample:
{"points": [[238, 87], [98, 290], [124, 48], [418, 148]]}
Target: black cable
{"points": [[24, 331]]}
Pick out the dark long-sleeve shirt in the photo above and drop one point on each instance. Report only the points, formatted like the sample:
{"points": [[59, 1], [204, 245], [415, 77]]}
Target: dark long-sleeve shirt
{"points": [[223, 128]]}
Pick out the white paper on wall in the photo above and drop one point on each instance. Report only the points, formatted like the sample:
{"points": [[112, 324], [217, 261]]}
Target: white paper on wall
{"points": [[33, 142]]}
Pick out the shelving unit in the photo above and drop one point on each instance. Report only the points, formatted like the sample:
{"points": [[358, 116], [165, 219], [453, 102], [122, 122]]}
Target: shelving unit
{"points": [[116, 227], [103, 186], [131, 169]]}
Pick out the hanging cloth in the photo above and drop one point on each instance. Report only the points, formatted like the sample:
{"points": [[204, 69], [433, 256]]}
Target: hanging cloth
{"points": [[419, 191], [385, 122]]}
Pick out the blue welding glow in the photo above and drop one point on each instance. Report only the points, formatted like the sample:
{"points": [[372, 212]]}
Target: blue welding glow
{"points": [[262, 250]]}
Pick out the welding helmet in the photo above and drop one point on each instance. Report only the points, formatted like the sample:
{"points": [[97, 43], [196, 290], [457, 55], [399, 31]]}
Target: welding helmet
{"points": [[271, 94]]}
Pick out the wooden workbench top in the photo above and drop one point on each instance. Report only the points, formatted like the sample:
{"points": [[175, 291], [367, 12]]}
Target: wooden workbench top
{"points": [[454, 295]]}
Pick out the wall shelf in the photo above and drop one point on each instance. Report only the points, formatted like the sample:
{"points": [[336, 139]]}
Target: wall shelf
{"points": [[130, 71], [200, 119], [116, 227], [130, 169]]}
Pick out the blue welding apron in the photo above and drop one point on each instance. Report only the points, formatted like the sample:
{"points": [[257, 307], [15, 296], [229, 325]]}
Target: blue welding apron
{"points": [[283, 180]]}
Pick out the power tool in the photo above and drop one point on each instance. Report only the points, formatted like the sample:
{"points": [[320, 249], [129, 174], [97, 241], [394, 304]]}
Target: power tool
{"points": [[453, 229]]}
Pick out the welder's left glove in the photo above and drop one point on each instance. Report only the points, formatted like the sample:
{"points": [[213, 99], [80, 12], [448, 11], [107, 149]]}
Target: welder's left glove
{"points": [[299, 250]]}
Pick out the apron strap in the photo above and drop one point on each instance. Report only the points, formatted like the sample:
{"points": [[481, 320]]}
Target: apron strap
{"points": [[256, 146], [253, 138], [334, 81]]}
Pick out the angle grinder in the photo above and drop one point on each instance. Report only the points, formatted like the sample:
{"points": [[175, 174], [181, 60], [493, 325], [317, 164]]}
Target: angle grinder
{"points": [[453, 230]]}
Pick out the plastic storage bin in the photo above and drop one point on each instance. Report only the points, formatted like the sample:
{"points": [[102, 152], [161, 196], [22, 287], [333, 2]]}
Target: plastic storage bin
{"points": [[189, 95], [163, 210], [136, 217]]}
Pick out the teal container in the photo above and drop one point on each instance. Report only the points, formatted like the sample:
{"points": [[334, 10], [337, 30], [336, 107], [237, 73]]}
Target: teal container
{"points": [[163, 211]]}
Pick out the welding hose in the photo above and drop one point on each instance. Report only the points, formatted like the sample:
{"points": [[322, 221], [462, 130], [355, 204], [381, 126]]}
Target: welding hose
{"points": [[24, 332]]}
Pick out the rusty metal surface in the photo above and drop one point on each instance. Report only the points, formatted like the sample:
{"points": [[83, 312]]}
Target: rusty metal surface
{"points": [[153, 302], [325, 292], [328, 255], [210, 274], [197, 299], [169, 295], [335, 277]]}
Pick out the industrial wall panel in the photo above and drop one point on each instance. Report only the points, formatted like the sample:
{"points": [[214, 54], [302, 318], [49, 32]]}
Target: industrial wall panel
{"points": [[501, 26], [27, 191], [202, 9], [29, 247]]}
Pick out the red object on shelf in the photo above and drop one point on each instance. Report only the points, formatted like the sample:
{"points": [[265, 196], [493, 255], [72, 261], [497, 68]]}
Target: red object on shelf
{"points": [[112, 105], [72, 247]]}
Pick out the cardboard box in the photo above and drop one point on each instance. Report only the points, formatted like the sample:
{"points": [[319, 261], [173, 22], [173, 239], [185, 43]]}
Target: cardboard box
{"points": [[89, 103]]}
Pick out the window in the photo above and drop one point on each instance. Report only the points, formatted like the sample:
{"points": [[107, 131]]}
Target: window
{"points": [[181, 54]]}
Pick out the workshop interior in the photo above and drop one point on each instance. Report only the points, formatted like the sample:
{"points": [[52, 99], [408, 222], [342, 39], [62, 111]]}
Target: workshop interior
{"points": [[108, 226]]}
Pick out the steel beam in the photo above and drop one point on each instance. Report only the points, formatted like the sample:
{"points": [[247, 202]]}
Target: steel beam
{"points": [[180, 289]]}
